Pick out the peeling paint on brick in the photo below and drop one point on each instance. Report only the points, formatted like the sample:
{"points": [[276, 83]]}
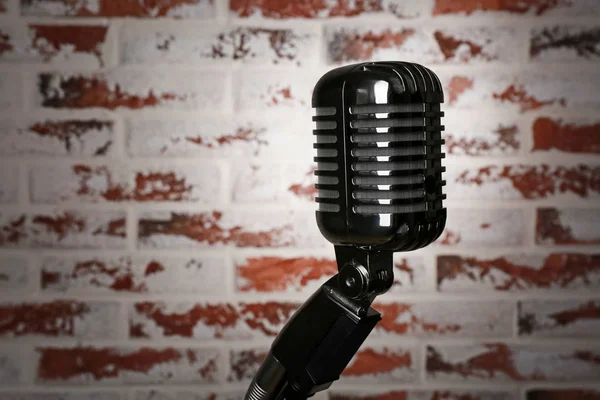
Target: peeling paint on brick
{"points": [[562, 43], [122, 8], [567, 226]]}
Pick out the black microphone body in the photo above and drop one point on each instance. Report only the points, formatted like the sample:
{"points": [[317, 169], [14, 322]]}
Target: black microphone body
{"points": [[379, 190]]}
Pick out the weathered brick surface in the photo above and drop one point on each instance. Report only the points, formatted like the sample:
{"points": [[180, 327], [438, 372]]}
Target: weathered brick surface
{"points": [[494, 135], [255, 136], [10, 90], [499, 227], [199, 182], [462, 45], [9, 183], [52, 43], [245, 363], [63, 395], [450, 319], [63, 229], [131, 89], [13, 362], [59, 318], [422, 395], [188, 45], [216, 228], [570, 318], [13, 274], [142, 365], [519, 273], [565, 43], [56, 137], [567, 226], [133, 274], [3, 6], [323, 9], [126, 8], [208, 320], [569, 135], [498, 362], [260, 91], [382, 364], [522, 181], [194, 394], [530, 7], [557, 394]]}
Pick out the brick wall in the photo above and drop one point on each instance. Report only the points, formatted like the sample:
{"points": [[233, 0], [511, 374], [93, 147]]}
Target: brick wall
{"points": [[156, 216]]}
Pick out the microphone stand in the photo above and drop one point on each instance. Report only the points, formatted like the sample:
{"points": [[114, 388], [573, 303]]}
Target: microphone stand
{"points": [[321, 338]]}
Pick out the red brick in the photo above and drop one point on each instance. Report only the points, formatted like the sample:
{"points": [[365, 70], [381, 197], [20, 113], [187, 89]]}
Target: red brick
{"points": [[382, 364], [499, 362], [323, 9], [480, 227], [3, 6], [9, 183], [59, 318], [52, 43], [531, 7], [572, 318], [125, 8], [245, 363], [14, 367], [570, 135], [453, 45], [117, 183], [84, 137], [13, 274], [267, 137], [559, 394], [162, 274], [188, 45], [208, 320], [495, 135], [567, 226], [53, 395], [447, 319], [237, 228], [131, 90], [519, 273], [274, 90], [63, 229], [340, 394], [82, 365], [565, 43], [523, 181]]}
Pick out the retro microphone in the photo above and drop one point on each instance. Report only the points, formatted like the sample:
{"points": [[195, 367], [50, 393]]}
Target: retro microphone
{"points": [[379, 183]]}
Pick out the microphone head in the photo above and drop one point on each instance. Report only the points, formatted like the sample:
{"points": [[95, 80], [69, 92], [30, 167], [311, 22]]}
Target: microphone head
{"points": [[379, 156]]}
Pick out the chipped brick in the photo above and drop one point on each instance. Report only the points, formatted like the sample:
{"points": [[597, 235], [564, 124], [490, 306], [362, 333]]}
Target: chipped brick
{"points": [[499, 227], [83, 137], [322, 9], [208, 321], [574, 318], [451, 319], [124, 8], [240, 44], [565, 43], [530, 7], [381, 365], [499, 362], [116, 183], [492, 136], [245, 363], [52, 43], [63, 229], [131, 90], [571, 136], [156, 275], [340, 394], [275, 90], [13, 274], [519, 273], [80, 365], [257, 229], [559, 394], [567, 226], [59, 318], [522, 181]]}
